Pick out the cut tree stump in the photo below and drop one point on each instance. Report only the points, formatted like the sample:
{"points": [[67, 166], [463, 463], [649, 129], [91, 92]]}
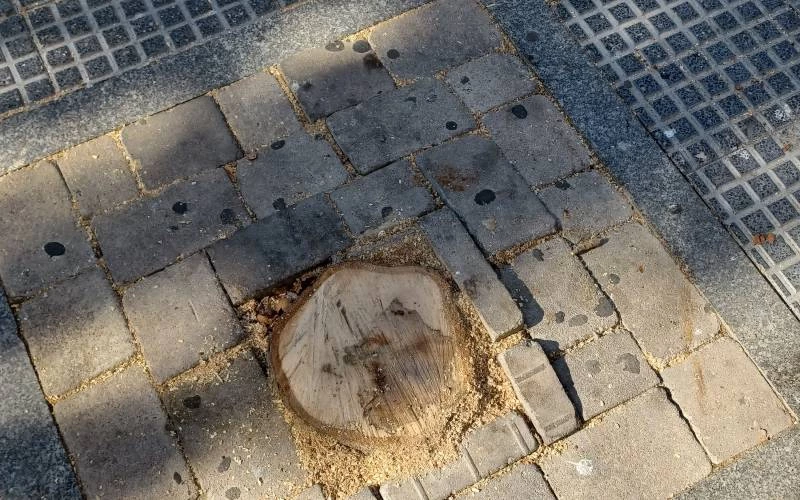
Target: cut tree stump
{"points": [[371, 352]]}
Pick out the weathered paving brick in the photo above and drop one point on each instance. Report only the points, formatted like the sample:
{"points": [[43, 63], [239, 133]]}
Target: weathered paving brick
{"points": [[474, 276], [539, 390], [409, 489], [291, 170], [534, 137], [180, 315], [258, 111], [382, 198], [636, 272], [362, 494], [441, 483], [399, 122], [585, 205], [725, 399], [490, 81], [524, 481], [151, 233], [337, 76], [499, 443], [435, 37], [605, 373], [42, 242], [234, 436], [75, 331], [98, 175], [491, 198], [118, 436], [278, 247], [180, 142], [33, 463], [643, 449], [560, 301]]}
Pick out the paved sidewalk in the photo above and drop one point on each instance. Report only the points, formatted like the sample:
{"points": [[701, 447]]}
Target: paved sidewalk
{"points": [[134, 336]]}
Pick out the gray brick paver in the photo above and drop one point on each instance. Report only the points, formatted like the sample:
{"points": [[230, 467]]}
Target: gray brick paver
{"points": [[440, 483], [490, 81], [499, 443], [402, 490], [523, 481]]}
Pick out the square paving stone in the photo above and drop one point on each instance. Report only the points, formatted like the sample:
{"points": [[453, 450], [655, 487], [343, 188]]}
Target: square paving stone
{"points": [[643, 449], [474, 276], [402, 490], [437, 36], [98, 175], [561, 302], [534, 137], [499, 443], [726, 399], [585, 205], [279, 247], [490, 81], [492, 199], [75, 331], [441, 483], [291, 170], [258, 111], [383, 198], [118, 436], [42, 242], [524, 481], [605, 373], [399, 122], [180, 315], [234, 436], [659, 306], [334, 77], [180, 142], [181, 220]]}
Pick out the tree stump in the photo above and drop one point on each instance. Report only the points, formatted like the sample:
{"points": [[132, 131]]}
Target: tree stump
{"points": [[371, 352]]}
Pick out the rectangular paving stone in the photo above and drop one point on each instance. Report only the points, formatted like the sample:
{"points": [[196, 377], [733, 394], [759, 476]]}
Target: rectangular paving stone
{"points": [[537, 387], [486, 192], [490, 81], [291, 170], [235, 438], [278, 247], [179, 221], [585, 205], [499, 443], [561, 303], [399, 122], [337, 76], [98, 175], [441, 483], [180, 316], [524, 481], [34, 463], [474, 276], [118, 436], [435, 37], [180, 142], [643, 449], [635, 271], [382, 198], [362, 494], [258, 111], [42, 242], [604, 373], [408, 489], [75, 331], [534, 137], [726, 399]]}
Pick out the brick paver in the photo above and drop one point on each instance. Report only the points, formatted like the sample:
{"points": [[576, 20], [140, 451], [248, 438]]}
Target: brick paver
{"points": [[534, 137], [258, 111], [486, 192], [179, 221], [636, 271], [337, 76], [180, 142], [399, 122], [234, 436], [725, 399], [118, 436], [42, 242], [523, 481], [642, 450], [75, 331], [98, 175], [455, 476], [490, 81], [474, 276], [180, 316]]}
